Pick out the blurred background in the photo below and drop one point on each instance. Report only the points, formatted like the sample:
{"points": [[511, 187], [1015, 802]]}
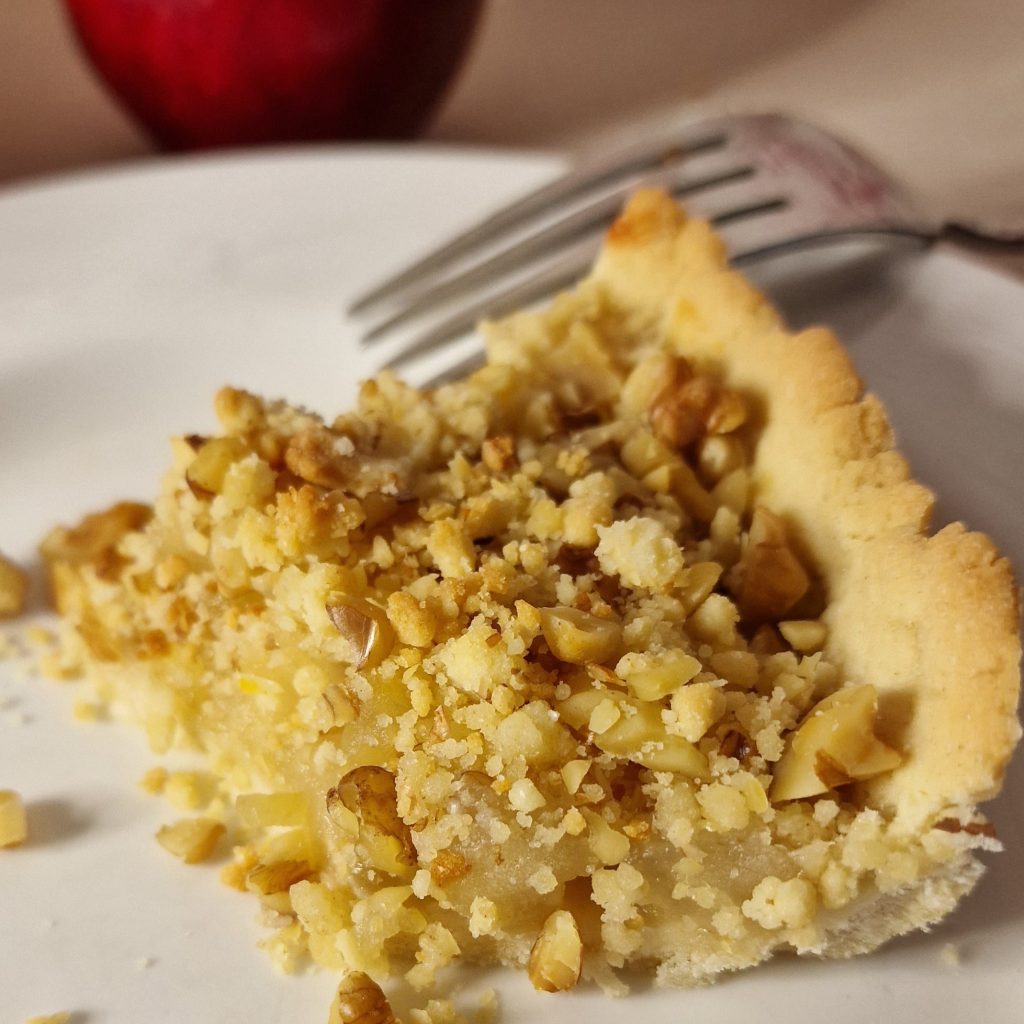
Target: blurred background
{"points": [[934, 88]]}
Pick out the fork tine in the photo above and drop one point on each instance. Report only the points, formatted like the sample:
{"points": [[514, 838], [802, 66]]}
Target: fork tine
{"points": [[463, 367], [586, 179], [584, 222], [556, 275]]}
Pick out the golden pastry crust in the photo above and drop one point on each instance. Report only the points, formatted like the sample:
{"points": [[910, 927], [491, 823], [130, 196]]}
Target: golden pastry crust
{"points": [[931, 621]]}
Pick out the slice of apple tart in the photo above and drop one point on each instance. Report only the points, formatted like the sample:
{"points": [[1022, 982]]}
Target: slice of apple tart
{"points": [[630, 649]]}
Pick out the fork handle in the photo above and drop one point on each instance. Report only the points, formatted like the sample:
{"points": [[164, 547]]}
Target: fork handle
{"points": [[982, 238]]}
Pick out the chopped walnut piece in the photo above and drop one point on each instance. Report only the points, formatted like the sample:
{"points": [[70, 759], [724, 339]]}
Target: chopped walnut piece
{"points": [[831, 774], [772, 579], [321, 457], [449, 866], [688, 406], [578, 637], [727, 413], [648, 379], [678, 415], [574, 772], [639, 734], [806, 635], [365, 627], [192, 839], [205, 473], [653, 676], [360, 1000], [698, 583], [369, 792], [834, 745], [556, 959], [277, 877]]}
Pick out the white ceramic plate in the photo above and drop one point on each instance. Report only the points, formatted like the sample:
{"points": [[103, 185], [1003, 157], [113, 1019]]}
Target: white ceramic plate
{"points": [[126, 299]]}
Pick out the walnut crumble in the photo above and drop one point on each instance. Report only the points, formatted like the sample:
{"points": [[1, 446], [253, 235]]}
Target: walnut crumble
{"points": [[526, 669]]}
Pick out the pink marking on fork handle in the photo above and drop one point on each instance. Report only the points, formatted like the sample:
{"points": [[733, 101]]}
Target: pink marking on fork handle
{"points": [[848, 178]]}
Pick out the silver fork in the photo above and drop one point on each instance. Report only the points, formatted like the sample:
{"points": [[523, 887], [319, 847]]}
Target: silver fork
{"points": [[769, 183]]}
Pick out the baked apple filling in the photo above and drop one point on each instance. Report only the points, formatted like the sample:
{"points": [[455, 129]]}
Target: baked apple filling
{"points": [[608, 655]]}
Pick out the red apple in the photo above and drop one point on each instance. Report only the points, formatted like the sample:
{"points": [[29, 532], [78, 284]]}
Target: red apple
{"points": [[202, 73]]}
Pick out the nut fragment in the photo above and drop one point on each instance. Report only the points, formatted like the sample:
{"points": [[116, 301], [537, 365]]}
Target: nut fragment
{"points": [[321, 457], [365, 627], [609, 845], [574, 772], [604, 716], [772, 579], [277, 877], [556, 959], [449, 866], [643, 738], [369, 792], [577, 709], [677, 410], [648, 379], [835, 744], [638, 735], [13, 819], [805, 635], [578, 637], [359, 1000], [206, 472], [728, 413], [13, 585], [524, 796], [642, 453], [191, 839], [687, 407], [698, 583], [653, 676]]}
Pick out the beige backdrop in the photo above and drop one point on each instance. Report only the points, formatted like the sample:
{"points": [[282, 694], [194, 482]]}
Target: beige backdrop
{"points": [[933, 87]]}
